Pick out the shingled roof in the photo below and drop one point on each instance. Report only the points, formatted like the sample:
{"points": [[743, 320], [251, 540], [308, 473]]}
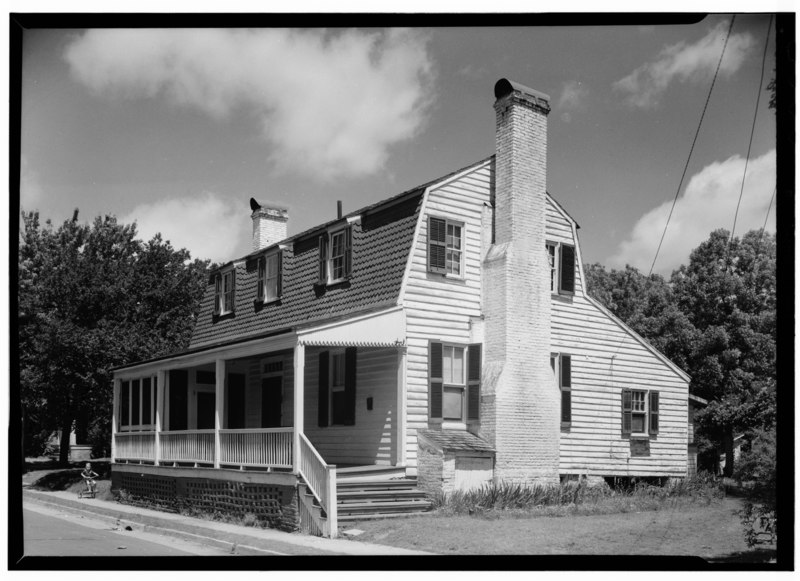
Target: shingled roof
{"points": [[381, 245]]}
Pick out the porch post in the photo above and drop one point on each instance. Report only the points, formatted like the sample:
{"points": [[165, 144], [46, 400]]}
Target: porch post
{"points": [[115, 420], [219, 409], [299, 389], [160, 385], [400, 417]]}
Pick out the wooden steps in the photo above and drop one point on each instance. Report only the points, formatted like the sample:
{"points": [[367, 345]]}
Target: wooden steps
{"points": [[379, 499]]}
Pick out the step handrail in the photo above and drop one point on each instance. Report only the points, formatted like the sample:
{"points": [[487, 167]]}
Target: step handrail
{"points": [[320, 477]]}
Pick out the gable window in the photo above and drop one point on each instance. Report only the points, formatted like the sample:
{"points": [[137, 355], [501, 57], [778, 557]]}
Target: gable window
{"points": [[562, 369], [335, 256], [445, 247], [269, 277], [561, 262], [454, 379], [336, 403], [639, 411], [224, 292]]}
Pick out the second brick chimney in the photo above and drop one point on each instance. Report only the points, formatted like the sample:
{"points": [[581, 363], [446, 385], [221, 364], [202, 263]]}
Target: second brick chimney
{"points": [[269, 225], [520, 405]]}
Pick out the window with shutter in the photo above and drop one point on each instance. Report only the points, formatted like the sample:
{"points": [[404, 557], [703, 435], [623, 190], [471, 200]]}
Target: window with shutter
{"points": [[626, 411], [639, 412], [217, 294], [561, 365], [474, 381], [262, 276], [435, 379], [653, 412], [567, 269]]}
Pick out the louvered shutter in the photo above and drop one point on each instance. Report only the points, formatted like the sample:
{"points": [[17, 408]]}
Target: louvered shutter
{"points": [[436, 379], [262, 276], [233, 290], [437, 242], [567, 269], [348, 252], [350, 362], [323, 258], [474, 382], [653, 412], [217, 293], [566, 390], [279, 292], [323, 395], [626, 411]]}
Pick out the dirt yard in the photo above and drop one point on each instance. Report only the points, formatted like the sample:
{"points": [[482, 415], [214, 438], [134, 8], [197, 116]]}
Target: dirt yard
{"points": [[712, 532]]}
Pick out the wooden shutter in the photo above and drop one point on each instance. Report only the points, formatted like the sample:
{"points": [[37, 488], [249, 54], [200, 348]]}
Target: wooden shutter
{"points": [[474, 381], [233, 290], [348, 252], [566, 390], [262, 278], [350, 386], [653, 412], [323, 393], [437, 241], [626, 411], [279, 291], [217, 293], [323, 258], [567, 269], [436, 380]]}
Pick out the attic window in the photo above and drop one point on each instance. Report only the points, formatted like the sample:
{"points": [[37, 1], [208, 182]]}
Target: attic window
{"points": [[336, 256], [561, 261], [269, 277], [445, 247], [224, 292]]}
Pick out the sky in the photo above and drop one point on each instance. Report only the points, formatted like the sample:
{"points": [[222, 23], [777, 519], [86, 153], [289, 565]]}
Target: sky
{"points": [[176, 129]]}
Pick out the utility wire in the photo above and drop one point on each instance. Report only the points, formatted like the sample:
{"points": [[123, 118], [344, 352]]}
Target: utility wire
{"points": [[750, 144], [694, 141]]}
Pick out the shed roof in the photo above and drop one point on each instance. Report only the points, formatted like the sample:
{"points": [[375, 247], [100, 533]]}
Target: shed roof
{"points": [[457, 440]]}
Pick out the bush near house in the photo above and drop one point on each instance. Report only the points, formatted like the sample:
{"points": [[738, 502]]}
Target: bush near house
{"points": [[756, 475]]}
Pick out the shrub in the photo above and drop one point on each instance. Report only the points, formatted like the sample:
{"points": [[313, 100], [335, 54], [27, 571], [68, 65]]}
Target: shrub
{"points": [[756, 473]]}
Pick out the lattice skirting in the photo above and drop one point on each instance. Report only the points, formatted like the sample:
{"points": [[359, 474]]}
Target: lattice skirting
{"points": [[274, 503]]}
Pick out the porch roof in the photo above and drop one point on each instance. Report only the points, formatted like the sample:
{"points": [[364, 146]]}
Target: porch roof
{"points": [[382, 329]]}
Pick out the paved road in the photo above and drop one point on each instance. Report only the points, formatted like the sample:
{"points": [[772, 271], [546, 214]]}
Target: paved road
{"points": [[53, 533]]}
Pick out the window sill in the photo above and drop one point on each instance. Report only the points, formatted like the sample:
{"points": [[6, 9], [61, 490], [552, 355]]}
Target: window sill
{"points": [[454, 425]]}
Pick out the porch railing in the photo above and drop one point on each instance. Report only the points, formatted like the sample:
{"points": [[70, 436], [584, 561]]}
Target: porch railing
{"points": [[270, 447], [136, 445], [321, 480], [188, 446]]}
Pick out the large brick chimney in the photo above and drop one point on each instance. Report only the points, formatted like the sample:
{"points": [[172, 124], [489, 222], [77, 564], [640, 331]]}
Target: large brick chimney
{"points": [[520, 404], [269, 225]]}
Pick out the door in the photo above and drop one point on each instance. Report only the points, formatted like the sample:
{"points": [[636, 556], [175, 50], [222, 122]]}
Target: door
{"points": [[271, 401], [206, 402]]}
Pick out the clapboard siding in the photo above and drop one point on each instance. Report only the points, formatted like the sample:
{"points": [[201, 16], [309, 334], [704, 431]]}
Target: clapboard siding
{"points": [[606, 359], [438, 307], [372, 440]]}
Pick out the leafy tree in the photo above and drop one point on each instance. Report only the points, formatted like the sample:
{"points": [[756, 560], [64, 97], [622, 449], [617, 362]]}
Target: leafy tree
{"points": [[93, 297]]}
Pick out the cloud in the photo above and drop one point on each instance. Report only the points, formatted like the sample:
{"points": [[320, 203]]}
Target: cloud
{"points": [[684, 62], [30, 190], [329, 104], [573, 96], [708, 203], [206, 225]]}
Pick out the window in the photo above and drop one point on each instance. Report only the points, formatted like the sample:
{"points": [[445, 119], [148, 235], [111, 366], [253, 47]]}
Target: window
{"points": [[137, 403], [639, 411], [269, 277], [335, 256], [445, 247], [562, 368], [224, 292], [455, 377], [561, 261], [337, 388]]}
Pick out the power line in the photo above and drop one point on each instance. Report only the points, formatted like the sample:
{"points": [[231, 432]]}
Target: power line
{"points": [[694, 141], [752, 131]]}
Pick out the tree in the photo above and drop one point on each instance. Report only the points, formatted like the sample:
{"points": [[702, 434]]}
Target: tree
{"points": [[93, 297]]}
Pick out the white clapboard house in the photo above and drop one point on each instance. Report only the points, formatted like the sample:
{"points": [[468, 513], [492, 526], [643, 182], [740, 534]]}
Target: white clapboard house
{"points": [[434, 341]]}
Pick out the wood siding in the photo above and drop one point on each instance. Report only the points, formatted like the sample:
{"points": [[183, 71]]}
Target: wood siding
{"points": [[372, 440], [606, 359], [439, 307]]}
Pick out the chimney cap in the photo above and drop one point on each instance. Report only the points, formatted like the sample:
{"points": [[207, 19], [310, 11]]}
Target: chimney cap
{"points": [[504, 87]]}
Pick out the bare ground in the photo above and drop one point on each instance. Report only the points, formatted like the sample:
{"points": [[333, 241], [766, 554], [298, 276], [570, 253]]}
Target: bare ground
{"points": [[712, 532]]}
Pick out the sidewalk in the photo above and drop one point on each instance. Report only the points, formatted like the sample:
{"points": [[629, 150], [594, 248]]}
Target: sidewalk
{"points": [[220, 535]]}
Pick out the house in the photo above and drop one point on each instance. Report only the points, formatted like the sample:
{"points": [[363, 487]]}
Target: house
{"points": [[436, 340]]}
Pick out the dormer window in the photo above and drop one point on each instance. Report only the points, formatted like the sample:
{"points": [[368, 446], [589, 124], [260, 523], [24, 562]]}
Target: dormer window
{"points": [[335, 256], [269, 277], [224, 292]]}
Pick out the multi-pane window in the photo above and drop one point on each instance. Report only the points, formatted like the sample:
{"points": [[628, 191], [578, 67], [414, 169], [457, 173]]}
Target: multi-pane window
{"points": [[561, 264], [454, 377], [562, 369], [337, 367], [445, 247], [224, 287], [269, 273], [137, 401], [553, 265], [640, 411], [336, 263], [335, 256]]}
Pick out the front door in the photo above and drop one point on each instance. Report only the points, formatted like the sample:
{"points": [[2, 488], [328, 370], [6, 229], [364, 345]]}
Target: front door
{"points": [[206, 402], [271, 400]]}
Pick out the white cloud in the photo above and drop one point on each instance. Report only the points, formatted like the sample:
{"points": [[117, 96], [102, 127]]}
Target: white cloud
{"points": [[573, 97], [330, 104], [30, 190], [684, 62], [708, 203], [206, 225]]}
